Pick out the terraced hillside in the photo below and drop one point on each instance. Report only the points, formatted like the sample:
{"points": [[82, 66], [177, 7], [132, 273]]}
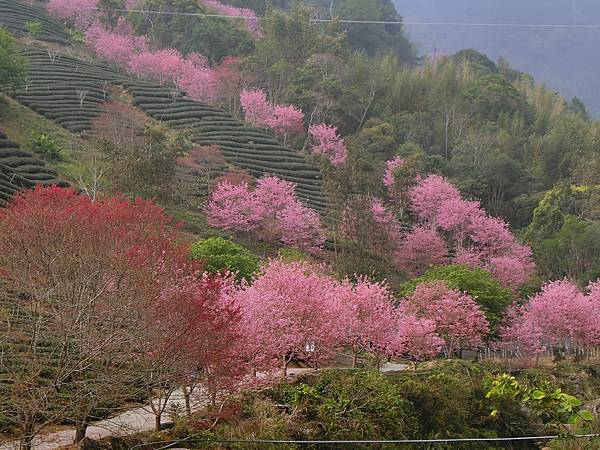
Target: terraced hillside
{"points": [[14, 16], [70, 91], [246, 147], [20, 169], [65, 89]]}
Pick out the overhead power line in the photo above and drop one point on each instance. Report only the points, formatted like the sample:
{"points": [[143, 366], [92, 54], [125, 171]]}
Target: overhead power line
{"points": [[192, 438], [376, 22]]}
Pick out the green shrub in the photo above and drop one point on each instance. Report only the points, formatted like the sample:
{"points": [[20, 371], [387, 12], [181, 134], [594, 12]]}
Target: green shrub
{"points": [[45, 146], [34, 28], [292, 255], [224, 255], [352, 405], [13, 67]]}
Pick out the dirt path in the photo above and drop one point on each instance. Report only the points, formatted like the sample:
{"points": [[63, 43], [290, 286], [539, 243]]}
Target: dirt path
{"points": [[129, 422]]}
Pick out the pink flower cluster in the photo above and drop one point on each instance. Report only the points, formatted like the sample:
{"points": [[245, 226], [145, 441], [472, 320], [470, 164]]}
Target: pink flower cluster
{"points": [[386, 220], [191, 74], [284, 119], [271, 210], [249, 16], [478, 239], [296, 310], [419, 250], [79, 12], [328, 143], [560, 315], [389, 177], [458, 319], [120, 45]]}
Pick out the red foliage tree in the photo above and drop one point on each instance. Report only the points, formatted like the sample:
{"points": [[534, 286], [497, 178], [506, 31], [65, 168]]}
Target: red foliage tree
{"points": [[116, 294]]}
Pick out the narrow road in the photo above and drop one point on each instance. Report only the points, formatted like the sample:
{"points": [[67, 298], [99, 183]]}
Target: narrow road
{"points": [[129, 422], [139, 419]]}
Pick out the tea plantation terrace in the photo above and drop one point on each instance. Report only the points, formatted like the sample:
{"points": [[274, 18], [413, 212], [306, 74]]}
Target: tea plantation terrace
{"points": [[20, 169], [65, 89], [14, 17], [71, 91], [244, 146]]}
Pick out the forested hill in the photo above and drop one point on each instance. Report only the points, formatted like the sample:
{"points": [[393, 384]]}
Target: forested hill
{"points": [[565, 59]]}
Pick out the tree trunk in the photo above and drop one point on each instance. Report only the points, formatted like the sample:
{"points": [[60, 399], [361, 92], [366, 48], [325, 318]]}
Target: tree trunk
{"points": [[188, 404], [213, 397], [80, 430], [285, 364], [157, 420], [354, 360], [26, 441]]}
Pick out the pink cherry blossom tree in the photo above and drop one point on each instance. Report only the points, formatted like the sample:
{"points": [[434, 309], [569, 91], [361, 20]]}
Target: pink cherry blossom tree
{"points": [[372, 226], [114, 47], [419, 250], [389, 177], [162, 65], [283, 119], [559, 315], [80, 12], [271, 210], [371, 323], [328, 143], [519, 336], [477, 239], [290, 311], [120, 45], [416, 338], [233, 207], [247, 15], [230, 81], [287, 120], [459, 320], [301, 228], [257, 109], [427, 197]]}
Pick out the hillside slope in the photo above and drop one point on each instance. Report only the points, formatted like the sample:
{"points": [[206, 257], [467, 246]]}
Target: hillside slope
{"points": [[20, 169], [71, 91]]}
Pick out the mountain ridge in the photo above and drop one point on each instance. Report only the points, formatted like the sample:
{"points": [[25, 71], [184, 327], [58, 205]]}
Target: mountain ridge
{"points": [[551, 55]]}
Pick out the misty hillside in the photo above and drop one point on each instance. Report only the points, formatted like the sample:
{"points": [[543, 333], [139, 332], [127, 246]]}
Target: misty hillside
{"points": [[566, 59]]}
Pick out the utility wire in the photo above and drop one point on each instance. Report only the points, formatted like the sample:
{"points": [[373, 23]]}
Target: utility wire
{"points": [[337, 442], [374, 22]]}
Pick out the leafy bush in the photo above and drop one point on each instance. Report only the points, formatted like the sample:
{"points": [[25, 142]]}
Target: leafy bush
{"points": [[224, 255], [13, 69], [351, 405], [34, 28], [45, 146]]}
